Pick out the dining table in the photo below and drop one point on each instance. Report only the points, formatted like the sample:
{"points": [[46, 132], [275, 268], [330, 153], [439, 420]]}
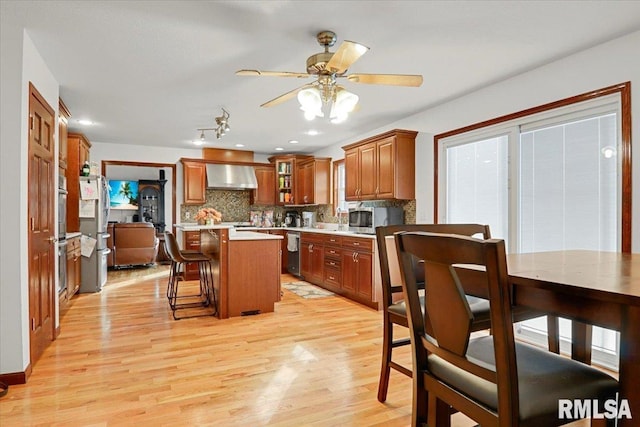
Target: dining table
{"points": [[590, 287]]}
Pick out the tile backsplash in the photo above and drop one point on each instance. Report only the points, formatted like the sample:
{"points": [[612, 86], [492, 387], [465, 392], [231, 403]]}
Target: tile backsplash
{"points": [[235, 207]]}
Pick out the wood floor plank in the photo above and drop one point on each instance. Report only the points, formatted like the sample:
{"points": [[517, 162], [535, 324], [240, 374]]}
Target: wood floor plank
{"points": [[121, 359]]}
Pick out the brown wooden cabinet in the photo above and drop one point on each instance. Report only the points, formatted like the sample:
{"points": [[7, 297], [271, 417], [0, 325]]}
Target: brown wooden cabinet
{"points": [[332, 262], [345, 265], [74, 265], [357, 268], [313, 181], [63, 131], [78, 152], [191, 242], [194, 177], [286, 178], [265, 193], [381, 167], [312, 258]]}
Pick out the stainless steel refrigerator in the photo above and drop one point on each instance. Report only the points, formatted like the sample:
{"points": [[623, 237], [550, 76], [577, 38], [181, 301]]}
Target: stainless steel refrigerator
{"points": [[94, 214]]}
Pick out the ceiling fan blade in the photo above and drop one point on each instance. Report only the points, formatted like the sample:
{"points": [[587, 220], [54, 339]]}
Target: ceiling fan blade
{"points": [[286, 96], [348, 53], [271, 73], [413, 80]]}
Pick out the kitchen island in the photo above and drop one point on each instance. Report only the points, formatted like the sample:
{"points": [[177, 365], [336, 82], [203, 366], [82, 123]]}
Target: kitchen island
{"points": [[246, 268]]}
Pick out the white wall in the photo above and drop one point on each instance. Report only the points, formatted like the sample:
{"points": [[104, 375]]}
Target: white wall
{"points": [[611, 63], [21, 64]]}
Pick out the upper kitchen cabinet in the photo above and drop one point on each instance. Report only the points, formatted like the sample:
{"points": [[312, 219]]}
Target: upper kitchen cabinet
{"points": [[381, 167], [313, 181], [63, 126], [285, 167], [194, 177], [78, 152], [265, 193]]}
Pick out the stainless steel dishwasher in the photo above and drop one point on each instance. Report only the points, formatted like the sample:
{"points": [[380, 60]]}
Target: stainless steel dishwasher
{"points": [[293, 249]]}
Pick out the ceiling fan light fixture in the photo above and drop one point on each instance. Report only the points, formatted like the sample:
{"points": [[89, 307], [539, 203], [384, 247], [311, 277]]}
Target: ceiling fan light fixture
{"points": [[310, 99]]}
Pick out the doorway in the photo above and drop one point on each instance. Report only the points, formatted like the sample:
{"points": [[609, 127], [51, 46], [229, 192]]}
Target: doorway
{"points": [[41, 226]]}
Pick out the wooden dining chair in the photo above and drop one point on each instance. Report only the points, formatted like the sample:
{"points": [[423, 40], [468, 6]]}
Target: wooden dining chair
{"points": [[492, 379], [394, 310]]}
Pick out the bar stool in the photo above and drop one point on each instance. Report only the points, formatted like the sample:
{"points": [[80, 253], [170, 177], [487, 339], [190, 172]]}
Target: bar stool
{"points": [[206, 296]]}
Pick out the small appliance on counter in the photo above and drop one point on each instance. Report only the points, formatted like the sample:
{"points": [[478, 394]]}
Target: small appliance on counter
{"points": [[292, 219], [308, 219], [366, 219]]}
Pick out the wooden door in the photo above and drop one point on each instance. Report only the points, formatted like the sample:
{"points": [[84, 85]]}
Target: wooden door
{"points": [[42, 247], [305, 259], [194, 176], [349, 271], [385, 188], [352, 174], [265, 193], [317, 264], [368, 171], [364, 266], [63, 131]]}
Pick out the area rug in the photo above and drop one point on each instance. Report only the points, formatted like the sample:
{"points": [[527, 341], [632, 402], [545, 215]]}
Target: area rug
{"points": [[307, 290]]}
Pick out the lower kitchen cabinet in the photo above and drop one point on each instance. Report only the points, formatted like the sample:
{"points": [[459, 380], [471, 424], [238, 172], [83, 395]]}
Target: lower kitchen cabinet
{"points": [[357, 267], [347, 266], [312, 258], [74, 263]]}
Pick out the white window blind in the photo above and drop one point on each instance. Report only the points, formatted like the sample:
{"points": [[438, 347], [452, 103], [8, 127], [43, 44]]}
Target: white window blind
{"points": [[543, 183]]}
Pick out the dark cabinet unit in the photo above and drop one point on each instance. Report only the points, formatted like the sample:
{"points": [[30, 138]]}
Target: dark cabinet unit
{"points": [[151, 202]]}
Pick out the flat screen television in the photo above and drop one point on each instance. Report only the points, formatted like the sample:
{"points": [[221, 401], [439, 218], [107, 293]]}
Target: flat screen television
{"points": [[123, 194]]}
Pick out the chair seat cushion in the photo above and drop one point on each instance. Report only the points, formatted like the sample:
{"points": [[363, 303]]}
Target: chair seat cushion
{"points": [[543, 379]]}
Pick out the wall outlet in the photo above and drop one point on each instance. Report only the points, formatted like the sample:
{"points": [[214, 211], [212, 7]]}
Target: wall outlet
{"points": [[187, 215]]}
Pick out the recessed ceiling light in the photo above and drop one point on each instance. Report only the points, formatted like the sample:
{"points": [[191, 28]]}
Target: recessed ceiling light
{"points": [[312, 132], [293, 141], [279, 149], [84, 122], [239, 145]]}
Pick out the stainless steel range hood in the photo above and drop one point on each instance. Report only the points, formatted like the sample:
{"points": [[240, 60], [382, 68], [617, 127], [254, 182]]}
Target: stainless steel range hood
{"points": [[231, 177]]}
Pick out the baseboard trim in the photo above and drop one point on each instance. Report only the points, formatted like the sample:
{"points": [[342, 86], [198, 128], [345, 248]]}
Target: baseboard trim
{"points": [[16, 377]]}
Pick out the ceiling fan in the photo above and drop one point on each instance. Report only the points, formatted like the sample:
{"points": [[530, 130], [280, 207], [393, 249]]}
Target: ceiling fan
{"points": [[328, 67]]}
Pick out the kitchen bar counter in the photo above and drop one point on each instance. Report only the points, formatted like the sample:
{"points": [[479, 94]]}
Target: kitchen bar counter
{"points": [[246, 269], [192, 226]]}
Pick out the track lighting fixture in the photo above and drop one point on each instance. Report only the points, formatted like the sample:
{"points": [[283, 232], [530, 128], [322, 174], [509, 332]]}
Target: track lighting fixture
{"points": [[222, 126]]}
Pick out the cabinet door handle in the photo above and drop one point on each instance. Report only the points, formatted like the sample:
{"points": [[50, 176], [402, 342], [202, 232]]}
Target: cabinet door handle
{"points": [[311, 247], [356, 254], [353, 257]]}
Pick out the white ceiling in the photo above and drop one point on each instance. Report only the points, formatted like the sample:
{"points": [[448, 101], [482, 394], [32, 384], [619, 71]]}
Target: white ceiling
{"points": [[152, 72]]}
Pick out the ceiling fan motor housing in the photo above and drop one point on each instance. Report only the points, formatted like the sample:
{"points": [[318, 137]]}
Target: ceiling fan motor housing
{"points": [[316, 64]]}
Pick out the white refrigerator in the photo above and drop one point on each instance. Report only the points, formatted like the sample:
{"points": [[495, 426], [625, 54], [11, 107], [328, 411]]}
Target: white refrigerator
{"points": [[94, 215]]}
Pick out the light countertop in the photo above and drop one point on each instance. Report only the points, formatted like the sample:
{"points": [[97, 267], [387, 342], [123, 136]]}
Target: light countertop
{"points": [[192, 226], [252, 235]]}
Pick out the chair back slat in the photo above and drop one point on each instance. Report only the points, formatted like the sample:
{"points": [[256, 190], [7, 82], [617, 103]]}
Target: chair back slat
{"points": [[448, 309]]}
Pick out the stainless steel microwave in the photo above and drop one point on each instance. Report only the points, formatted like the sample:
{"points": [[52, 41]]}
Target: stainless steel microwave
{"points": [[366, 219]]}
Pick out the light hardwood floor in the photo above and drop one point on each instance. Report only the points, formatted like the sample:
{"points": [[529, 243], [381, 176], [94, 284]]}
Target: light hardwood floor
{"points": [[120, 359]]}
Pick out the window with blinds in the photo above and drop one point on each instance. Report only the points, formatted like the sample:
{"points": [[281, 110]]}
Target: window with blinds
{"points": [[546, 182]]}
